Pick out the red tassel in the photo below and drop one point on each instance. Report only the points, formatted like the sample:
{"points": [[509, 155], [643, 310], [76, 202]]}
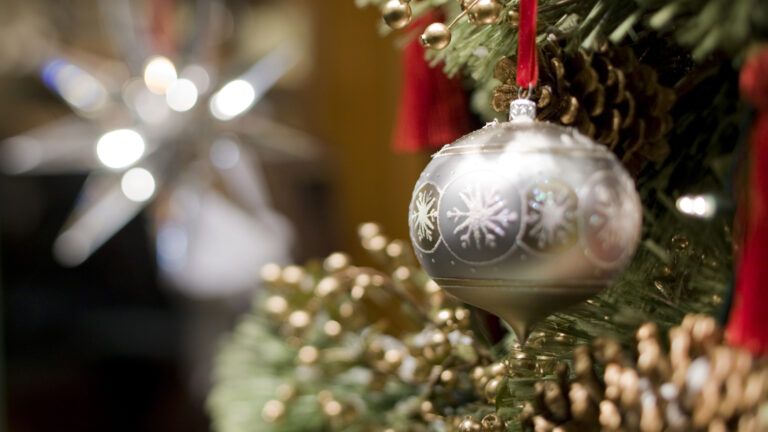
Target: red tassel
{"points": [[748, 326], [433, 108]]}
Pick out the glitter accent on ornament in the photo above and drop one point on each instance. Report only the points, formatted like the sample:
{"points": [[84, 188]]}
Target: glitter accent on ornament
{"points": [[551, 217], [607, 220], [424, 217]]}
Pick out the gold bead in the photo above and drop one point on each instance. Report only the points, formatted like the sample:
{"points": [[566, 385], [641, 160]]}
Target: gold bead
{"points": [[492, 389], [485, 12], [492, 423], [397, 14], [522, 363], [299, 319], [273, 410], [469, 425], [346, 309], [513, 18], [448, 377], [462, 316], [427, 409], [497, 370], [308, 354], [378, 280], [270, 273], [363, 279], [293, 275], [368, 230], [332, 328], [394, 358], [376, 243], [431, 287], [436, 36], [402, 274], [444, 318], [327, 286], [396, 249], [336, 261], [357, 292], [438, 348], [480, 384], [332, 408], [276, 305], [478, 373]]}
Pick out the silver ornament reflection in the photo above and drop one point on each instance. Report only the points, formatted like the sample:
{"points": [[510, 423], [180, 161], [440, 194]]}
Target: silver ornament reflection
{"points": [[524, 218]]}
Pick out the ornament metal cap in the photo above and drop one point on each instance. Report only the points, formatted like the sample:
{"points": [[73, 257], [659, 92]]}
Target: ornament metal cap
{"points": [[522, 110]]}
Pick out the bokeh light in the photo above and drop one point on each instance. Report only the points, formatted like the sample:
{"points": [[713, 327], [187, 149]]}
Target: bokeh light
{"points": [[181, 95], [235, 98], [138, 184], [159, 74], [120, 148]]}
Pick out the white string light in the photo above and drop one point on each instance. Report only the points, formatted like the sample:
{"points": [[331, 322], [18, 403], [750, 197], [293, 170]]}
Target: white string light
{"points": [[702, 206]]}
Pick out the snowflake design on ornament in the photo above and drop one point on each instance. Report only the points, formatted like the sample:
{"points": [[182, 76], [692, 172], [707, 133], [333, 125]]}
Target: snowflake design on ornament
{"points": [[552, 216], [485, 218], [424, 215]]}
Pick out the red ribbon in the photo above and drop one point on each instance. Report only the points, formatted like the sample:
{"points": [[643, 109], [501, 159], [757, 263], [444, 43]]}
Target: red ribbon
{"points": [[747, 326], [527, 67]]}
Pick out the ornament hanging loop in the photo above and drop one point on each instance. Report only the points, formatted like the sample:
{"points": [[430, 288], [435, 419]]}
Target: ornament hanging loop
{"points": [[526, 92]]}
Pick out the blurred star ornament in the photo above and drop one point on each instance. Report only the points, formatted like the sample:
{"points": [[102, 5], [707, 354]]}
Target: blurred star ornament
{"points": [[524, 218], [175, 152]]}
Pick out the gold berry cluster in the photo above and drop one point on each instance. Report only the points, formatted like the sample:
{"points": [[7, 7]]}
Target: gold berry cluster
{"points": [[398, 13]]}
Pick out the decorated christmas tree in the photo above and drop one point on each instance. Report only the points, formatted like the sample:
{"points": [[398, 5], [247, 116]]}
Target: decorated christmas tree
{"points": [[616, 223]]}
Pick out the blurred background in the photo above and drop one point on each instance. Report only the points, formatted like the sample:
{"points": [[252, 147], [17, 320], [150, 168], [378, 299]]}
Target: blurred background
{"points": [[154, 155]]}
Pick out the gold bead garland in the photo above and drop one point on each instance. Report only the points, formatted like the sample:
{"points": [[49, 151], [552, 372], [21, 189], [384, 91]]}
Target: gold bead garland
{"points": [[397, 14], [413, 332]]}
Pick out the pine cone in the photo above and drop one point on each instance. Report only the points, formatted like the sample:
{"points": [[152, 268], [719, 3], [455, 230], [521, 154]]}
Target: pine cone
{"points": [[608, 95], [699, 384]]}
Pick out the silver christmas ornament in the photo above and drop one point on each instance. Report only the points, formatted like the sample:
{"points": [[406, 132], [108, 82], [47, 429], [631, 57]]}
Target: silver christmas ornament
{"points": [[524, 218]]}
